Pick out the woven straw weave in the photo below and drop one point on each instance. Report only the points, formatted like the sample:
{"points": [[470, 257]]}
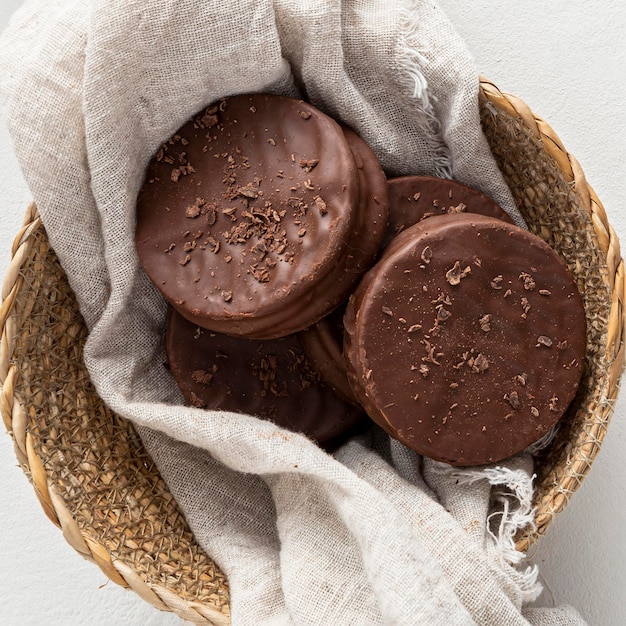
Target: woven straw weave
{"points": [[96, 482]]}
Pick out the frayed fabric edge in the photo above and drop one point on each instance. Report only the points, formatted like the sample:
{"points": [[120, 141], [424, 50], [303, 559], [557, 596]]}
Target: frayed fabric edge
{"points": [[515, 512], [410, 61]]}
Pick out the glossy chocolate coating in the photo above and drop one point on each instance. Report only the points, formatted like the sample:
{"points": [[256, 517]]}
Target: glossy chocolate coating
{"points": [[414, 198], [466, 341], [271, 379], [247, 220]]}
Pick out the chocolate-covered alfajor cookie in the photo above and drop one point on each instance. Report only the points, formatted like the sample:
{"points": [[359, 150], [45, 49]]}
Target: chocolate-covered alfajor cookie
{"points": [[466, 341], [411, 199], [271, 379], [249, 218], [414, 198]]}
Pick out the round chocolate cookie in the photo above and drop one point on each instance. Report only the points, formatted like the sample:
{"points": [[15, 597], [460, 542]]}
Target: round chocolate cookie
{"points": [[411, 199], [466, 341], [248, 220], [271, 379], [414, 198]]}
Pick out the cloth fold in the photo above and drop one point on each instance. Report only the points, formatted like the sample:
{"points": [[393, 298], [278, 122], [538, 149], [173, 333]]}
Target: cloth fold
{"points": [[373, 534]]}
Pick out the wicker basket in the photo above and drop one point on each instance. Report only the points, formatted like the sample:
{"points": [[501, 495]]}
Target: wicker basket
{"points": [[96, 482]]}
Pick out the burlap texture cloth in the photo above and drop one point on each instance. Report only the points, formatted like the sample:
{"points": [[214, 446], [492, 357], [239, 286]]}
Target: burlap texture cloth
{"points": [[373, 534]]}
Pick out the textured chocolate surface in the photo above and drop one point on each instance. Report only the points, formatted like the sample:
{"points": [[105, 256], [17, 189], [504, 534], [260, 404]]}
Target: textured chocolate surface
{"points": [[466, 341], [271, 379], [247, 220], [414, 198]]}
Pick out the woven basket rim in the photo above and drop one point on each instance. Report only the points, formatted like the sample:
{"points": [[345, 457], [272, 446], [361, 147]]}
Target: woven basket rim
{"points": [[15, 417]]}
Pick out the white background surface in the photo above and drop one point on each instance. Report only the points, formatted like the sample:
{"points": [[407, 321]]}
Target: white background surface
{"points": [[567, 61]]}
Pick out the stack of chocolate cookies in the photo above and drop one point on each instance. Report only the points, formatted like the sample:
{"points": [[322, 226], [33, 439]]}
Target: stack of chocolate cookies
{"points": [[307, 289]]}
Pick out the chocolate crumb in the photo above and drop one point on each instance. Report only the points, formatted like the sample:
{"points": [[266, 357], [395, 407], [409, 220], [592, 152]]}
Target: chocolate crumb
{"points": [[459, 208], [305, 115], [496, 283], [227, 296], [308, 164], [321, 205], [413, 328], [175, 175], [545, 292], [427, 254], [455, 274], [513, 399], [186, 259], [194, 400], [534, 411], [528, 280], [542, 340], [553, 404], [479, 363], [521, 379], [485, 323], [203, 377], [387, 311], [442, 314]]}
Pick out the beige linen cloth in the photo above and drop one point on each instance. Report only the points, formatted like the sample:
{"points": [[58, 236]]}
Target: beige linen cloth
{"points": [[373, 534]]}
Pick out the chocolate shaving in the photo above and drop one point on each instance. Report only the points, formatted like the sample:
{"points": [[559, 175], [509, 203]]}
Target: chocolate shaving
{"points": [[455, 274], [485, 323], [459, 208], [478, 364], [442, 315], [427, 255], [513, 399], [528, 280], [542, 340], [203, 377], [308, 164], [496, 283], [321, 205]]}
